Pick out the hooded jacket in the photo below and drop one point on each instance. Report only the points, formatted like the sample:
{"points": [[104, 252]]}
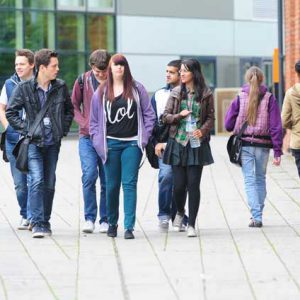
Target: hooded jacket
{"points": [[146, 119], [81, 101], [290, 114]]}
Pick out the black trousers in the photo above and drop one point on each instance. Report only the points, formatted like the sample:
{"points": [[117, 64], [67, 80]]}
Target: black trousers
{"points": [[296, 154], [187, 179]]}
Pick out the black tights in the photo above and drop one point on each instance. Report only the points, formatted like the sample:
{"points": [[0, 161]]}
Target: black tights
{"points": [[296, 154], [187, 179]]}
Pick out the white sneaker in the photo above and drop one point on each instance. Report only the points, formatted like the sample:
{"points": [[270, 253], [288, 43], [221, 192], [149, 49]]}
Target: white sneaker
{"points": [[88, 227], [24, 223], [163, 225], [191, 232], [182, 228], [177, 223], [103, 227]]}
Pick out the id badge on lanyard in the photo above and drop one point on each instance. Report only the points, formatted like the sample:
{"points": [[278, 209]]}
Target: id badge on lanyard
{"points": [[47, 122]]}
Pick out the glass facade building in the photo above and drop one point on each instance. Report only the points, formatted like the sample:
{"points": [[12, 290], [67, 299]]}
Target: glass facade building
{"points": [[73, 27]]}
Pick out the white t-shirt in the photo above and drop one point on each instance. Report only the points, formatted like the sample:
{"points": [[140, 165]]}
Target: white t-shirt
{"points": [[161, 99], [4, 100], [3, 96]]}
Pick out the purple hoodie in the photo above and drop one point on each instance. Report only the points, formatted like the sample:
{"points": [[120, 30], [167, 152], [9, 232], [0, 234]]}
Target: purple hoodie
{"points": [[146, 120], [274, 118]]}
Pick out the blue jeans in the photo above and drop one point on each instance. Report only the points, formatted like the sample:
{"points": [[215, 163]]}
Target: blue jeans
{"points": [[92, 168], [254, 167], [165, 190], [19, 178], [122, 165], [42, 163]]}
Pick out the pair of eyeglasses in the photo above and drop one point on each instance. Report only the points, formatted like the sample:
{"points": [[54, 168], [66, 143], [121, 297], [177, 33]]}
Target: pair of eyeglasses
{"points": [[183, 71]]}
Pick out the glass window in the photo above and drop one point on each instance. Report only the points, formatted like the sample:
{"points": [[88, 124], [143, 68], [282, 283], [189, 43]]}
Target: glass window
{"points": [[100, 32], [208, 69], [40, 4], [39, 30], [268, 71], [71, 4], [7, 3], [7, 29], [101, 5], [70, 35], [7, 66], [70, 66]]}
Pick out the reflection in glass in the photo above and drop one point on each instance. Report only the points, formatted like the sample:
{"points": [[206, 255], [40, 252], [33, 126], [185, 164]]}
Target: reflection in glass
{"points": [[7, 3], [268, 71], [7, 29], [208, 69], [40, 4], [101, 4], [100, 32], [71, 4], [7, 66], [70, 66], [70, 35], [39, 30]]}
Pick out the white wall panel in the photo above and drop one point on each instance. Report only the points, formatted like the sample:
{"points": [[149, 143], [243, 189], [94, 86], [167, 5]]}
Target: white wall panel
{"points": [[255, 38], [149, 69], [243, 10], [175, 36]]}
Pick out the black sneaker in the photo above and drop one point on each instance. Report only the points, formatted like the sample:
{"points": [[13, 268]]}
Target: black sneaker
{"points": [[128, 235], [37, 231], [254, 223], [112, 230], [47, 229]]}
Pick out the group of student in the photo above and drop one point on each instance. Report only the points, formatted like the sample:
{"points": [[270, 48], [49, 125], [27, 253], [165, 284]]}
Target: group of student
{"points": [[116, 119]]}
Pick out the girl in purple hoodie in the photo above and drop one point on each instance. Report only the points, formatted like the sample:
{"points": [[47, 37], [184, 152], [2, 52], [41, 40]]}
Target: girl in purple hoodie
{"points": [[121, 122], [264, 131]]}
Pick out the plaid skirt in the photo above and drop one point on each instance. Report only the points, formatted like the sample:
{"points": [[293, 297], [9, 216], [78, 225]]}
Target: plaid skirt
{"points": [[176, 154]]}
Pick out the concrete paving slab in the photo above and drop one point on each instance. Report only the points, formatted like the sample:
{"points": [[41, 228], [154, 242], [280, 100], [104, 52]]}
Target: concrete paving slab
{"points": [[227, 260]]}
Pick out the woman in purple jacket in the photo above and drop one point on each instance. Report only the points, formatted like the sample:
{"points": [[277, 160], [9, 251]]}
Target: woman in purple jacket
{"points": [[121, 122], [264, 131]]}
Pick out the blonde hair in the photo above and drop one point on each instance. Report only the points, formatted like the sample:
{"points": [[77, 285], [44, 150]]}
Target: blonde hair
{"points": [[254, 76]]}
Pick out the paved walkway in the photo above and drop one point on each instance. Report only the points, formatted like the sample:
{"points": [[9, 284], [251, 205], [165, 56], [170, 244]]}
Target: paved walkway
{"points": [[227, 261]]}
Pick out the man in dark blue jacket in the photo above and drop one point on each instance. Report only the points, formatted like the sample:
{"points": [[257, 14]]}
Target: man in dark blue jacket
{"points": [[24, 65]]}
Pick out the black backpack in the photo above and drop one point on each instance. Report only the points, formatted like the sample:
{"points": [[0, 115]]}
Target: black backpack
{"points": [[81, 82]]}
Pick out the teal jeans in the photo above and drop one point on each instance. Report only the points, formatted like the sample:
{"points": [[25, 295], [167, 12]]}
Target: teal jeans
{"points": [[122, 166]]}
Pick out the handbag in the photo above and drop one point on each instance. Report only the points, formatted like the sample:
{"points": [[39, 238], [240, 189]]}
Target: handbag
{"points": [[234, 146], [2, 146], [161, 131], [150, 153], [20, 151]]}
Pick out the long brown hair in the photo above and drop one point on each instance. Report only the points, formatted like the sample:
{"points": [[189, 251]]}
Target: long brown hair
{"points": [[119, 59], [254, 76]]}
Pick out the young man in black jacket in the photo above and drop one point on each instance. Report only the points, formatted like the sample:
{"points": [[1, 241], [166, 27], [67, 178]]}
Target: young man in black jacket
{"points": [[45, 145]]}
